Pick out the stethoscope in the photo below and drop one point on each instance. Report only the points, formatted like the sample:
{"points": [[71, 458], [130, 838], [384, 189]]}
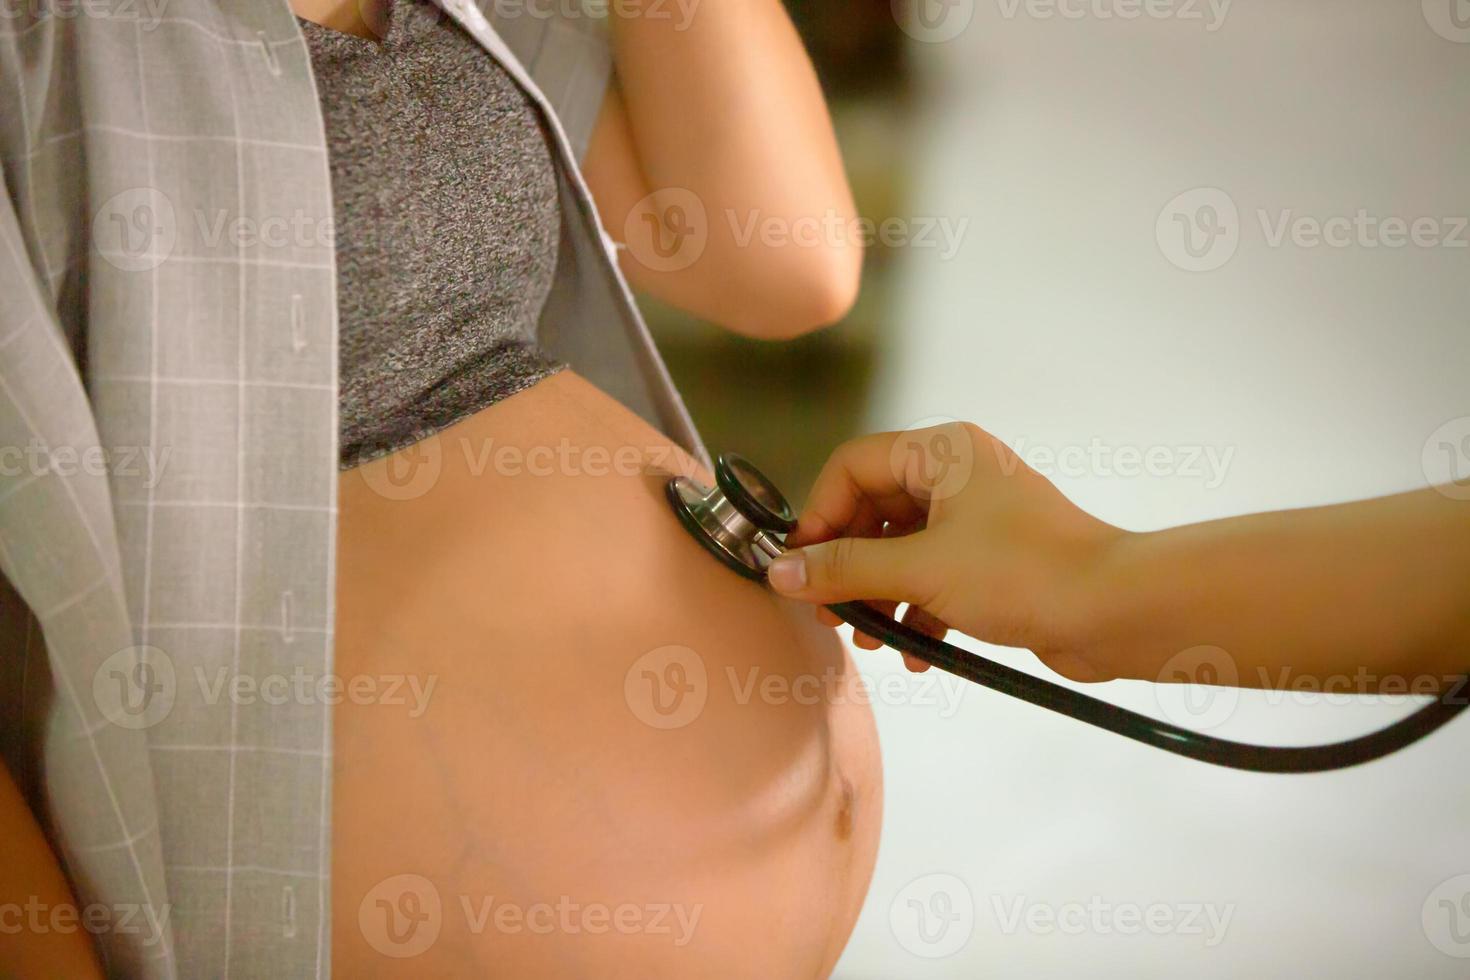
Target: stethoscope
{"points": [[743, 519]]}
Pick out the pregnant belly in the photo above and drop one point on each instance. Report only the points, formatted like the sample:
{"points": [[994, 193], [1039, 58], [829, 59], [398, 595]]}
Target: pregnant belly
{"points": [[592, 750]]}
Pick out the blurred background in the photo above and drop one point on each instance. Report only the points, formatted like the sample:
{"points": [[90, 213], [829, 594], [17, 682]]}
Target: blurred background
{"points": [[1231, 234], [793, 401]]}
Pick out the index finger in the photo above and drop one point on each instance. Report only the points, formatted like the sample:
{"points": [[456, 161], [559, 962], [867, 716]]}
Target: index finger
{"points": [[860, 475]]}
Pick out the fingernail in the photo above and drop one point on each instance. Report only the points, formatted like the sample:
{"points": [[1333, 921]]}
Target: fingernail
{"points": [[788, 573]]}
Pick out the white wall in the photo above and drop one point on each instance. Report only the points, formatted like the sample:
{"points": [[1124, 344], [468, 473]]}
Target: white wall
{"points": [[1323, 370]]}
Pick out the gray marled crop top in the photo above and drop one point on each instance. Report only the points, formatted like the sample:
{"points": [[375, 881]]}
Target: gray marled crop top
{"points": [[446, 227]]}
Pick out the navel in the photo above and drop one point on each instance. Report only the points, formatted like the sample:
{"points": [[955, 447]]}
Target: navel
{"points": [[846, 805]]}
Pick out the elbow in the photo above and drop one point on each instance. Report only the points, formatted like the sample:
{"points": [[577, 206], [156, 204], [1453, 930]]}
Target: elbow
{"points": [[827, 293], [794, 294]]}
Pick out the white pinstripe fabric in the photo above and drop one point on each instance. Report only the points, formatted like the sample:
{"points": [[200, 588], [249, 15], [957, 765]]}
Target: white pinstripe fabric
{"points": [[124, 325]]}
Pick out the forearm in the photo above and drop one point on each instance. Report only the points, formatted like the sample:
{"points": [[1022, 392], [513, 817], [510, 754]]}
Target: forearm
{"points": [[1377, 591], [718, 98]]}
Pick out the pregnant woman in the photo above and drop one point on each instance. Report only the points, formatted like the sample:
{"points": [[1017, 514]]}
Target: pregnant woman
{"points": [[627, 762], [538, 577]]}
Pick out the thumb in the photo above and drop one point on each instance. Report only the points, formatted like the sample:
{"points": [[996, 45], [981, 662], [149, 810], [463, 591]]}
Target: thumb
{"points": [[848, 568]]}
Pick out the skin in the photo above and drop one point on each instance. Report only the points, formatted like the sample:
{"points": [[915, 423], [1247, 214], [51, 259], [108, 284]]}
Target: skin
{"points": [[531, 589], [722, 105], [725, 107], [33, 878], [1367, 597], [525, 781]]}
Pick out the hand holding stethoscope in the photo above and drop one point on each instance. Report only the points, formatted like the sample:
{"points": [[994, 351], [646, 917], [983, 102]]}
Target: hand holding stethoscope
{"points": [[1368, 597]]}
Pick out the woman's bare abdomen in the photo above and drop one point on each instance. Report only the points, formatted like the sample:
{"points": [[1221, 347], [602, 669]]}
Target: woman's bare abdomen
{"points": [[609, 756]]}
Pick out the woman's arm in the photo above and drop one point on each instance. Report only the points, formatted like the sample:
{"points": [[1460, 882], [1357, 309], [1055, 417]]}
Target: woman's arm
{"points": [[40, 925], [716, 103], [1361, 597]]}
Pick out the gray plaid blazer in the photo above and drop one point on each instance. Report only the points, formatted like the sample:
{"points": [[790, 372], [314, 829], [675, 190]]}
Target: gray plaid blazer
{"points": [[168, 448]]}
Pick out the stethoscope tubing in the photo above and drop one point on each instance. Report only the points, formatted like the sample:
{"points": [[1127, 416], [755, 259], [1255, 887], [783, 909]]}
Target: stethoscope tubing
{"points": [[763, 508], [1141, 728]]}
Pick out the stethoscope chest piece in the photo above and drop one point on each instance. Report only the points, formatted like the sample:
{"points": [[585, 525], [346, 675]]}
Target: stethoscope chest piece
{"points": [[741, 520]]}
